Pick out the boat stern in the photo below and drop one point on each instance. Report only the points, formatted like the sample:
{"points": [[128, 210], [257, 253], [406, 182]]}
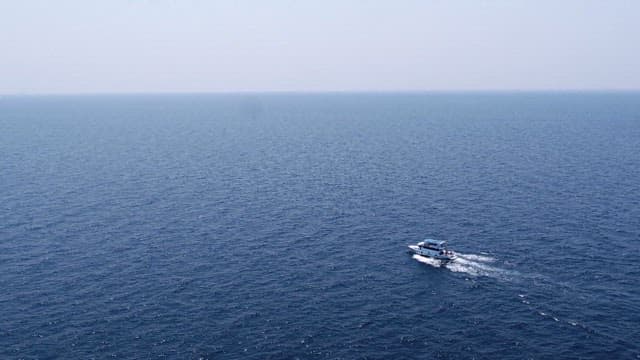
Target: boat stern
{"points": [[449, 256]]}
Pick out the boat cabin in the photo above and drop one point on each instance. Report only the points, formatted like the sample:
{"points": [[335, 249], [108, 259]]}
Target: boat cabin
{"points": [[432, 244]]}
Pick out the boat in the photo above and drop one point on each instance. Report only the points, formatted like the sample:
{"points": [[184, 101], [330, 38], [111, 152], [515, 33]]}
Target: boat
{"points": [[435, 249]]}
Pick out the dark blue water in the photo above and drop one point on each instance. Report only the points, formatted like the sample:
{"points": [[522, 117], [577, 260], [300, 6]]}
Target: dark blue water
{"points": [[275, 226]]}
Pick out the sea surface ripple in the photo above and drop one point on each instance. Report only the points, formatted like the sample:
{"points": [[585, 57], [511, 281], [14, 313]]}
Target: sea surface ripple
{"points": [[275, 226]]}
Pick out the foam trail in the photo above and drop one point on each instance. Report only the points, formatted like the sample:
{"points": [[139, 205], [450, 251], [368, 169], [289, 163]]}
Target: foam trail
{"points": [[474, 257], [474, 264], [471, 264], [462, 268], [475, 268]]}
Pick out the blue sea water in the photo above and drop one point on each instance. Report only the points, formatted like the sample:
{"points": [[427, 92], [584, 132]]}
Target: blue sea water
{"points": [[275, 226]]}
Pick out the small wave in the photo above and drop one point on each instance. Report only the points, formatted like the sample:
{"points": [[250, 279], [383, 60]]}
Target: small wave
{"points": [[548, 314]]}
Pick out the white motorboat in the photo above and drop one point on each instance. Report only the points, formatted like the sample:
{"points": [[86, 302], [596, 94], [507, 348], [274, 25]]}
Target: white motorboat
{"points": [[435, 249]]}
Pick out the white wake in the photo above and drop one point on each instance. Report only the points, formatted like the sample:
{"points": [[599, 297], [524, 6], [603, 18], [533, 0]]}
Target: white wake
{"points": [[474, 257], [471, 264]]}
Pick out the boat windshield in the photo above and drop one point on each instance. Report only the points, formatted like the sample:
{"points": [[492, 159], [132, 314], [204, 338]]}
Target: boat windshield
{"points": [[433, 242]]}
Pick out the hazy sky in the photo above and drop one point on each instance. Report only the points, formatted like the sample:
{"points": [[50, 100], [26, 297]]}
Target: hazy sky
{"points": [[85, 46]]}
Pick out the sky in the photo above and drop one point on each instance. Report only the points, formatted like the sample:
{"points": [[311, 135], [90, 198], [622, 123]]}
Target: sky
{"points": [[157, 46]]}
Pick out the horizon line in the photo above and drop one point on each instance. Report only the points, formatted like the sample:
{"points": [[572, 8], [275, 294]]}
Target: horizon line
{"points": [[319, 92]]}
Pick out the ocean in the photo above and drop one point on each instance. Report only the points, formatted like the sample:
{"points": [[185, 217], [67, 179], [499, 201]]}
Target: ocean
{"points": [[275, 226]]}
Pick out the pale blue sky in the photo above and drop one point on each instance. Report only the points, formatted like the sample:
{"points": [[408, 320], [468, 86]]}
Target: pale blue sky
{"points": [[84, 46]]}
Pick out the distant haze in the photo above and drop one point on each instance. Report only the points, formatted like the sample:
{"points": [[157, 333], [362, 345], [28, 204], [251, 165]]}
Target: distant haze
{"points": [[74, 46]]}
